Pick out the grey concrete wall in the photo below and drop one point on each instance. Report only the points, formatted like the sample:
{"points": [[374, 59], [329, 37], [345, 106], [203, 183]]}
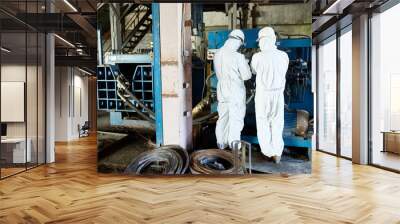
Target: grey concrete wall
{"points": [[286, 19]]}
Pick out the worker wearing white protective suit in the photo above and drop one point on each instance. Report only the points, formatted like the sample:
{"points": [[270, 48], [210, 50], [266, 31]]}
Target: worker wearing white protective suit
{"points": [[232, 70], [270, 66]]}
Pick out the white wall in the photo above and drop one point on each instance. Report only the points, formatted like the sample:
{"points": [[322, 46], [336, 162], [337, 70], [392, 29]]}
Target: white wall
{"points": [[9, 73], [33, 126], [16, 73], [71, 107]]}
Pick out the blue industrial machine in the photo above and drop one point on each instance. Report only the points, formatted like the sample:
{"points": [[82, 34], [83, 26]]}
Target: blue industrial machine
{"points": [[298, 91], [125, 85], [141, 84]]}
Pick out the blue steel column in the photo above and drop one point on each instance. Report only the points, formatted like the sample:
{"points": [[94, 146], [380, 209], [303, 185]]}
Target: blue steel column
{"points": [[155, 10]]}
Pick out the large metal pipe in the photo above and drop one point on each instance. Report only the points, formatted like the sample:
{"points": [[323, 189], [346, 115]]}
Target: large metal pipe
{"points": [[99, 47]]}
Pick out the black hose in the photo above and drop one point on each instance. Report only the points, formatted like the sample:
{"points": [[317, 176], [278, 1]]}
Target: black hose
{"points": [[165, 160], [213, 162]]}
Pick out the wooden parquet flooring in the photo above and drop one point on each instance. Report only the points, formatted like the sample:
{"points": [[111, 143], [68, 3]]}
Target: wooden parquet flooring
{"points": [[71, 191]]}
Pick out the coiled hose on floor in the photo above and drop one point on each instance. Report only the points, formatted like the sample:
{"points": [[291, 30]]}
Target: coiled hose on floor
{"points": [[165, 160], [213, 162]]}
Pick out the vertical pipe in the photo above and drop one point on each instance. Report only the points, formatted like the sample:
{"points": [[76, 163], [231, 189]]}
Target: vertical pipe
{"points": [[99, 47], [157, 72]]}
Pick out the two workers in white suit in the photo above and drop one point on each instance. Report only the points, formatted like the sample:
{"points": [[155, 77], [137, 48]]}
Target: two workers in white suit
{"points": [[270, 66]]}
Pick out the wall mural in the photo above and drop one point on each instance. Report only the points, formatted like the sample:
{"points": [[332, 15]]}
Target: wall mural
{"points": [[245, 92]]}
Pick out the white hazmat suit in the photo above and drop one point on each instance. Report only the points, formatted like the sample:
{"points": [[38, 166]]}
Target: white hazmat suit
{"points": [[232, 70], [270, 66]]}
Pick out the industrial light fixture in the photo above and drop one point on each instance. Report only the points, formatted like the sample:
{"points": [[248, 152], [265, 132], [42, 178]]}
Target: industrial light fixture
{"points": [[5, 50], [84, 71], [70, 5], [64, 40]]}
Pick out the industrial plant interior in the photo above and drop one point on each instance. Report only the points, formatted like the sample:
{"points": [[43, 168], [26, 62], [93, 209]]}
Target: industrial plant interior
{"points": [[112, 111], [129, 86]]}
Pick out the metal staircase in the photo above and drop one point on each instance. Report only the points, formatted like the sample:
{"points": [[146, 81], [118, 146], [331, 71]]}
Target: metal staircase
{"points": [[137, 22], [137, 28]]}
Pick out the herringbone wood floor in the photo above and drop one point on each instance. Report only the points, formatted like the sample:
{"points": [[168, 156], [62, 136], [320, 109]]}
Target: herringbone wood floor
{"points": [[71, 191]]}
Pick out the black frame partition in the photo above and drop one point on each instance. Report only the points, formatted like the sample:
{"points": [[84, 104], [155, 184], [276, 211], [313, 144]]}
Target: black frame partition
{"points": [[328, 39], [381, 9], [334, 35], [25, 52], [340, 90], [339, 28]]}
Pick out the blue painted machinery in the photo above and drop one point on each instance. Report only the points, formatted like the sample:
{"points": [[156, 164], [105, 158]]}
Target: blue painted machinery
{"points": [[141, 85], [298, 91], [125, 85]]}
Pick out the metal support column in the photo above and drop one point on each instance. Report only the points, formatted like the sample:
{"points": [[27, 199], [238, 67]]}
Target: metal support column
{"points": [[360, 90], [338, 95], [157, 72], [50, 98]]}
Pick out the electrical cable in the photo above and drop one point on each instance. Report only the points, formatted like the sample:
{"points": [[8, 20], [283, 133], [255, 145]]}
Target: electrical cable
{"points": [[165, 160]]}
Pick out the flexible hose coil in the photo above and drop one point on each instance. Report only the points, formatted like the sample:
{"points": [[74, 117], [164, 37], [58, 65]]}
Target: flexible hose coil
{"points": [[213, 162], [165, 160]]}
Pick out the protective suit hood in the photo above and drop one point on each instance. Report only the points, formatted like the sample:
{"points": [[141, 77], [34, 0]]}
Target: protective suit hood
{"points": [[267, 39], [267, 44], [232, 44]]}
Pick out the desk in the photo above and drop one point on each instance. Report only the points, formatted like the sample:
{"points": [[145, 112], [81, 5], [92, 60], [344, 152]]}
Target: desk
{"points": [[13, 150], [391, 141]]}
